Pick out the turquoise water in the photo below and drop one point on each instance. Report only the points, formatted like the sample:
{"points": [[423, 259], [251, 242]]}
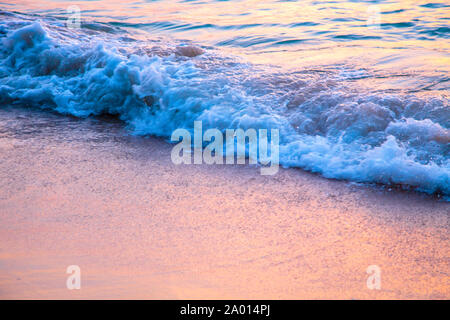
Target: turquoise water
{"points": [[358, 89]]}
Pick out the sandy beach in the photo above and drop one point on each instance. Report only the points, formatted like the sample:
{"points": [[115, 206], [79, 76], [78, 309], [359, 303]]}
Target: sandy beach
{"points": [[87, 193]]}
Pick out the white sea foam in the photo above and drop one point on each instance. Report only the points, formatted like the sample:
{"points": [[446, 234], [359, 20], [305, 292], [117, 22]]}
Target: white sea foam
{"points": [[325, 125]]}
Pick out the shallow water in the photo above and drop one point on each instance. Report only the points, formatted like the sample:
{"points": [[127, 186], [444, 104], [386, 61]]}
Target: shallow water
{"points": [[353, 99]]}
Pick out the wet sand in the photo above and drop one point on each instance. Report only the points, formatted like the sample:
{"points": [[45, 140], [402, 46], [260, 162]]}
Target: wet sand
{"points": [[86, 193]]}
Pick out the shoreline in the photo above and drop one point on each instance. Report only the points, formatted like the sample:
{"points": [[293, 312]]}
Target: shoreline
{"points": [[85, 192]]}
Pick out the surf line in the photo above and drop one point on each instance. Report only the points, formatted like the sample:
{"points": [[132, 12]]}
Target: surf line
{"points": [[251, 140]]}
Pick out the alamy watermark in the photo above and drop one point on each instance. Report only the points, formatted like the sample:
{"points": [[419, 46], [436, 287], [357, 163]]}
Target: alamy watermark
{"points": [[74, 19], [251, 143], [373, 17], [74, 280], [374, 280]]}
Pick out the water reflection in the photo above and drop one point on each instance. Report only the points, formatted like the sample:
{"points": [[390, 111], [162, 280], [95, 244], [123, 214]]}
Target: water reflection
{"points": [[407, 35]]}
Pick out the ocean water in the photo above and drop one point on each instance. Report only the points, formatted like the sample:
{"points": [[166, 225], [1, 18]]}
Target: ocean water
{"points": [[358, 89]]}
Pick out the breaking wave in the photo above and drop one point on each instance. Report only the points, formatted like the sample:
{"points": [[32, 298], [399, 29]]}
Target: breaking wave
{"points": [[155, 86]]}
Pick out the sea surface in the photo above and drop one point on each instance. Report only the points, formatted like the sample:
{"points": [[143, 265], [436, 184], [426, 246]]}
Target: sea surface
{"points": [[358, 89]]}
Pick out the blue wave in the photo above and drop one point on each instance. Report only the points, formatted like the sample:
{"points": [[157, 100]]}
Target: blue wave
{"points": [[325, 126]]}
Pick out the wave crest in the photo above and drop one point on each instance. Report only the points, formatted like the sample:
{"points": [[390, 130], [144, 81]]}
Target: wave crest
{"points": [[325, 126]]}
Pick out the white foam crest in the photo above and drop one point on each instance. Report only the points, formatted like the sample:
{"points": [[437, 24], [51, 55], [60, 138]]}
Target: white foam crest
{"points": [[325, 127]]}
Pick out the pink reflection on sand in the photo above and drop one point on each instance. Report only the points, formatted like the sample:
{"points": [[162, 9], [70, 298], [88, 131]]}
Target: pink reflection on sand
{"points": [[140, 227]]}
